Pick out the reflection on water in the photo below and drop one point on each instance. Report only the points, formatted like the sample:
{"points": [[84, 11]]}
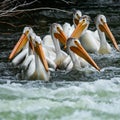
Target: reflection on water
{"points": [[66, 96]]}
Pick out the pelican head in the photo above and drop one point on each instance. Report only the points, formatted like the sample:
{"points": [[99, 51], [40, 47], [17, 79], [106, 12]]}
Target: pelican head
{"points": [[76, 17], [22, 41], [74, 45], [29, 29], [100, 19], [101, 24], [83, 24], [57, 33]]}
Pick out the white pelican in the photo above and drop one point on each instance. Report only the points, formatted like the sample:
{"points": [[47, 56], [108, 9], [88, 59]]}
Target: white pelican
{"points": [[102, 27], [62, 60], [78, 53], [22, 47], [35, 65], [95, 41], [41, 66], [68, 28], [88, 36], [22, 42]]}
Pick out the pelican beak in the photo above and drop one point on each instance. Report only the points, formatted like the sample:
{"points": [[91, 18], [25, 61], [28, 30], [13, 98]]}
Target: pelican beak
{"points": [[61, 36], [105, 28], [76, 21], [20, 44], [80, 51], [79, 29], [40, 52]]}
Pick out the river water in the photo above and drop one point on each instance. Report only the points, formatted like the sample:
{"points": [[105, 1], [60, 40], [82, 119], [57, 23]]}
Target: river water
{"points": [[83, 95]]}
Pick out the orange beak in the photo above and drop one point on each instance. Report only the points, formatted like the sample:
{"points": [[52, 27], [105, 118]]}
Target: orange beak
{"points": [[40, 52], [105, 28], [80, 51], [61, 36], [20, 44], [79, 29]]}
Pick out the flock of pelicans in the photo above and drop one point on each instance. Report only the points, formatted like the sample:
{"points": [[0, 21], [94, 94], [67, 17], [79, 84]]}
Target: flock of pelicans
{"points": [[66, 47]]}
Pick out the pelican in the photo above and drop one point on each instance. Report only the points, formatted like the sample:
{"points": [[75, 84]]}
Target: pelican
{"points": [[102, 27], [35, 65], [78, 53], [95, 41], [21, 49], [62, 60], [87, 37], [67, 28], [41, 66]]}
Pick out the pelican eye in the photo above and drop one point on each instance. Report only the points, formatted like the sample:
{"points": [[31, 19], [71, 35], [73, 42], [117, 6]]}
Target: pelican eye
{"points": [[75, 41], [78, 17], [58, 29], [26, 32], [102, 21], [84, 20]]}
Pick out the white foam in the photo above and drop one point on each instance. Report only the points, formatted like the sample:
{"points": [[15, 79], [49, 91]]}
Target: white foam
{"points": [[74, 101]]}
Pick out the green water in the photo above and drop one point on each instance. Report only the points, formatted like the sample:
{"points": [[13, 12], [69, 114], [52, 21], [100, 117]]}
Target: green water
{"points": [[98, 100]]}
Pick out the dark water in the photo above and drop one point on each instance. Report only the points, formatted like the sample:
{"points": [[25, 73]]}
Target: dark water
{"points": [[41, 20], [67, 96]]}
